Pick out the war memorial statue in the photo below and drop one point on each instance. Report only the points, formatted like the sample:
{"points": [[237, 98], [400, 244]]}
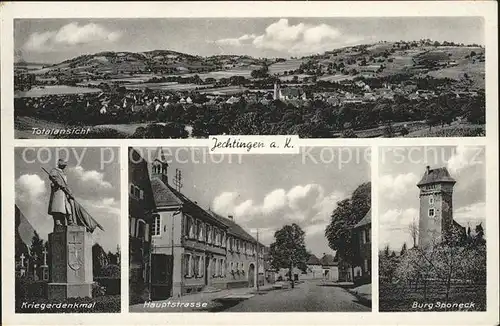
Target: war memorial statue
{"points": [[71, 240]]}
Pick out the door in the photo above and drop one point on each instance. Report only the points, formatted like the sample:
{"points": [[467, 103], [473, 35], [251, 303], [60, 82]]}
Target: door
{"points": [[161, 276], [251, 275]]}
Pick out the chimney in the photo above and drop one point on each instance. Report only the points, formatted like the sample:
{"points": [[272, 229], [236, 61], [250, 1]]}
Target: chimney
{"points": [[230, 217], [428, 168]]}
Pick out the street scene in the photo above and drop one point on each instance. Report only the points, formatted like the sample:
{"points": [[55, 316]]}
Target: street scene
{"points": [[67, 213], [432, 249], [249, 233], [343, 77]]}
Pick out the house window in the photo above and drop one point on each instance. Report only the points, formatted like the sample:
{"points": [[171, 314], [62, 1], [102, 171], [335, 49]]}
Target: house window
{"points": [[212, 267], [187, 265], [200, 266], [193, 266], [368, 238], [142, 230], [366, 265], [223, 241], [209, 231], [156, 225], [216, 267], [431, 212], [187, 227], [192, 226], [200, 230], [431, 200], [221, 267]]}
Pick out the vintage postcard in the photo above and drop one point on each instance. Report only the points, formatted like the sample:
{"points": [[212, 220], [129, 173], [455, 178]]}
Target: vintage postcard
{"points": [[250, 163]]}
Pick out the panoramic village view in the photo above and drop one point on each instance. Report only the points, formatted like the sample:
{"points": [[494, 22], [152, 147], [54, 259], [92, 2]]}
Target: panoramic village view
{"points": [[275, 233], [312, 77], [432, 248]]}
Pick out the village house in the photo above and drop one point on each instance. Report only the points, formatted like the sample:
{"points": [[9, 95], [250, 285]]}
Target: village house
{"points": [[330, 268], [194, 249], [361, 239], [141, 207]]}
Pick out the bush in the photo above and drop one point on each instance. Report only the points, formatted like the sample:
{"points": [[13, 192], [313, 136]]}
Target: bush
{"points": [[105, 304], [111, 285], [98, 290], [29, 288], [349, 133]]}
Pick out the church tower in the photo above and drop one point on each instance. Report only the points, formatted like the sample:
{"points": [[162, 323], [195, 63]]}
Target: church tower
{"points": [[159, 167], [277, 91], [436, 207]]}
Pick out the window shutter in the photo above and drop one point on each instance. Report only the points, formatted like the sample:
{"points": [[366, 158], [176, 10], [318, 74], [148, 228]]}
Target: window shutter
{"points": [[132, 227], [146, 232]]}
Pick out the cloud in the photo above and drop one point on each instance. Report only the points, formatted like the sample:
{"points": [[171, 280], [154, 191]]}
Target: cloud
{"points": [[469, 213], [274, 201], [29, 188], [396, 187], [91, 178], [242, 40], [394, 227], [294, 39], [70, 35], [224, 203], [399, 217], [465, 157], [305, 205]]}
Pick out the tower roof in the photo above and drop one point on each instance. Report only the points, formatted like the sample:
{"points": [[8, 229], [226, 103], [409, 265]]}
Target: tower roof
{"points": [[439, 175]]}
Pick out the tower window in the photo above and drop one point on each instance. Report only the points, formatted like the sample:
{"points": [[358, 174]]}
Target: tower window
{"points": [[431, 200], [431, 212]]}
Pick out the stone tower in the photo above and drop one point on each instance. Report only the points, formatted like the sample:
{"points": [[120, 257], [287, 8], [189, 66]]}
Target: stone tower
{"points": [[159, 167], [436, 207], [277, 91]]}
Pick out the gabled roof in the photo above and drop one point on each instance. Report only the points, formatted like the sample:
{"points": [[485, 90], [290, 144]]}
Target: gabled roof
{"points": [[367, 219], [313, 260], [163, 195], [328, 260], [439, 175], [23, 227], [233, 228]]}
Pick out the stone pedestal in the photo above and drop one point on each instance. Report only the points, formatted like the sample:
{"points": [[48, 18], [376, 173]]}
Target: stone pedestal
{"points": [[70, 263]]}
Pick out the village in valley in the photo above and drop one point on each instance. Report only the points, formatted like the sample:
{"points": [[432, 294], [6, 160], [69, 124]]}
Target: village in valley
{"points": [[184, 257], [414, 88]]}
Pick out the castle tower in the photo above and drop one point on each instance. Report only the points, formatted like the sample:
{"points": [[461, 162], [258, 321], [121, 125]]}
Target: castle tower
{"points": [[436, 206], [159, 167]]}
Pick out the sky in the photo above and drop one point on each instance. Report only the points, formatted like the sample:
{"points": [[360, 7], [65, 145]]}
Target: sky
{"points": [[55, 40], [401, 168], [93, 176], [270, 191]]}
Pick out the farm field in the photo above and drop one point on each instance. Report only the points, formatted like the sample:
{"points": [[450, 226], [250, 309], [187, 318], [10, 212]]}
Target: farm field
{"points": [[229, 90], [39, 91], [280, 67], [166, 86], [454, 130], [336, 78]]}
